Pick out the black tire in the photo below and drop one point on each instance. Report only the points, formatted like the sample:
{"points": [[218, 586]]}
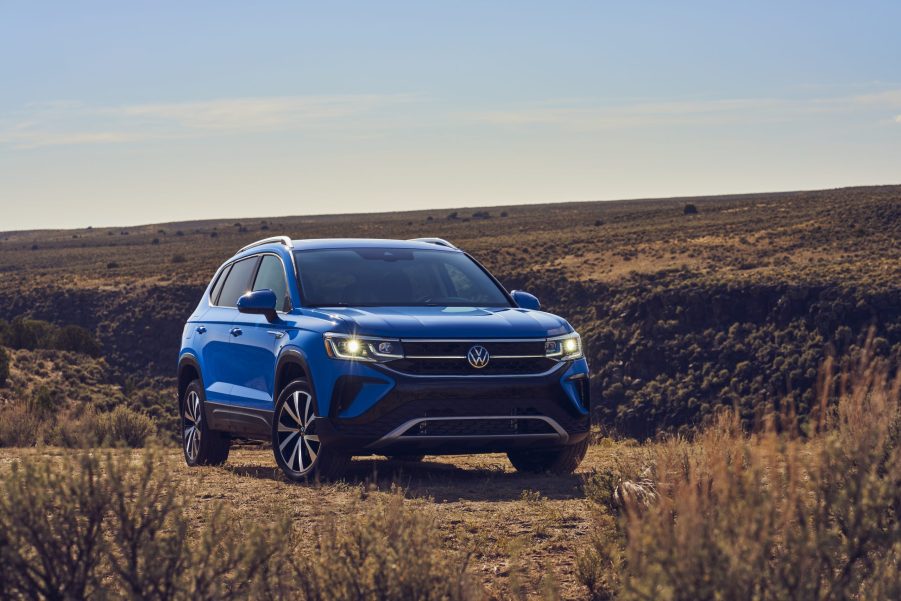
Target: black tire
{"points": [[296, 445], [199, 444], [560, 460], [406, 458]]}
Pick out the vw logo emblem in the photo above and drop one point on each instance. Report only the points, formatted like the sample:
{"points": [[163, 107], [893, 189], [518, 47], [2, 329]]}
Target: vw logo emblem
{"points": [[478, 356]]}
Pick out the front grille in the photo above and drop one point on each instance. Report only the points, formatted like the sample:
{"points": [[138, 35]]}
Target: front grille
{"points": [[448, 358], [459, 348], [479, 427]]}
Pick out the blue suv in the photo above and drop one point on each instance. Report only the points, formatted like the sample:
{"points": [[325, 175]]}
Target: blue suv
{"points": [[335, 348]]}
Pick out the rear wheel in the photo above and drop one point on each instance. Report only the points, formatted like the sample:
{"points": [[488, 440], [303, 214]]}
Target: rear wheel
{"points": [[298, 449], [201, 446], [561, 460]]}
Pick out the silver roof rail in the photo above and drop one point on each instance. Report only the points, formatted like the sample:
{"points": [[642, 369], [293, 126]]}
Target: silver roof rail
{"points": [[438, 241], [274, 239]]}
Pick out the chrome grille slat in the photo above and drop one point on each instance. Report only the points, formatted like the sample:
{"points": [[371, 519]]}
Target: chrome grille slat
{"points": [[448, 357]]}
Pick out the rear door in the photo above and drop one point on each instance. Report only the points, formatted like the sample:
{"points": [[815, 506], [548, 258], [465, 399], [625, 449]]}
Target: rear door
{"points": [[220, 324]]}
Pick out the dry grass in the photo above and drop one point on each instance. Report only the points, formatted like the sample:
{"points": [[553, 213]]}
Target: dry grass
{"points": [[770, 515]]}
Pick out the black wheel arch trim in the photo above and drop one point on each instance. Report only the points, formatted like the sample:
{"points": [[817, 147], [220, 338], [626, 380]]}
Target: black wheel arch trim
{"points": [[291, 356], [184, 362]]}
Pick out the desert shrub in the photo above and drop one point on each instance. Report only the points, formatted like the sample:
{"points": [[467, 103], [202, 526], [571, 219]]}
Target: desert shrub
{"points": [[772, 515], [178, 258], [51, 520], [77, 430], [82, 526], [24, 333], [44, 401], [77, 339], [19, 427], [4, 366], [124, 426], [690, 209], [388, 551]]}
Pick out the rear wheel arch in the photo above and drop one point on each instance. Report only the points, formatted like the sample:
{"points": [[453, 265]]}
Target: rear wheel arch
{"points": [[188, 371]]}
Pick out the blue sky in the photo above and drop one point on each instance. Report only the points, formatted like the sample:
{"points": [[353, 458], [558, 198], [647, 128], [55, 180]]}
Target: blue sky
{"points": [[117, 113]]}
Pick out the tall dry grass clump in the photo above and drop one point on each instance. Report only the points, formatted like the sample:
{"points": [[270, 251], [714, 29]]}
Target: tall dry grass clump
{"points": [[115, 526], [772, 515]]}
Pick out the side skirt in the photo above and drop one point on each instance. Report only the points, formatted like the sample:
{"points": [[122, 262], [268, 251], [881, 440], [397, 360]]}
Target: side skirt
{"points": [[241, 421]]}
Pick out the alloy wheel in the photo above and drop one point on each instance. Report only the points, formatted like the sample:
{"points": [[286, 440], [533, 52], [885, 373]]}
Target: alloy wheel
{"points": [[191, 425], [298, 444]]}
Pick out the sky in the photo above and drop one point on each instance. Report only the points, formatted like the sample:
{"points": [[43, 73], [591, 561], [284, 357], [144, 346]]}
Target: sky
{"points": [[122, 113]]}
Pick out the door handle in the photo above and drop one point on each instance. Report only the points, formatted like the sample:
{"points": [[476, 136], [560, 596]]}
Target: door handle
{"points": [[276, 333], [236, 332], [200, 329]]}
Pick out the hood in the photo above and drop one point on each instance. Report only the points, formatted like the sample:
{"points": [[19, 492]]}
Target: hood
{"points": [[449, 322]]}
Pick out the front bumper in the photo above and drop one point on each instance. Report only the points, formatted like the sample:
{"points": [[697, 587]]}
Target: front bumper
{"points": [[448, 415]]}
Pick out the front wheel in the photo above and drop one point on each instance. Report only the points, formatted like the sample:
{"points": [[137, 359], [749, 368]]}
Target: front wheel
{"points": [[200, 444], [560, 461], [298, 449]]}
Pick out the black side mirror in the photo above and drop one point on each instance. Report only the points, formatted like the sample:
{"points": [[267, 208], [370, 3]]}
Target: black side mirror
{"points": [[525, 300], [259, 302]]}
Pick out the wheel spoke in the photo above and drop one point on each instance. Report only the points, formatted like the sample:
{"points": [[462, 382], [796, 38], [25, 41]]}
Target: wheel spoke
{"points": [[291, 413], [283, 428], [297, 453], [310, 449], [285, 442], [189, 442], [306, 412], [312, 437]]}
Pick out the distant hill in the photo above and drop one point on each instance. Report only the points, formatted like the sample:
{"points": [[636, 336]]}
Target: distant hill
{"points": [[736, 304]]}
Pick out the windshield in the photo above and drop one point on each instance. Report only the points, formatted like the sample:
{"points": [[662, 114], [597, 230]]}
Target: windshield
{"points": [[391, 277]]}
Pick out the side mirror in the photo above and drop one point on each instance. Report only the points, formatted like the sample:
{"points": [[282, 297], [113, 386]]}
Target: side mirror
{"points": [[525, 300], [259, 302]]}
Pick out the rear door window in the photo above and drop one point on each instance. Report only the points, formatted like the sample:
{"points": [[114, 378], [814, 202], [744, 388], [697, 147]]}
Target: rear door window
{"points": [[237, 283]]}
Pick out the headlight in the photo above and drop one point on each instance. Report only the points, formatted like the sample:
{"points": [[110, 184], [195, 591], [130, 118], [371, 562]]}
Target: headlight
{"points": [[564, 348], [362, 348]]}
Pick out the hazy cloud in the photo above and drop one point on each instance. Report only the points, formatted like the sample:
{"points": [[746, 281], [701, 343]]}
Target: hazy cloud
{"points": [[585, 116], [65, 122]]}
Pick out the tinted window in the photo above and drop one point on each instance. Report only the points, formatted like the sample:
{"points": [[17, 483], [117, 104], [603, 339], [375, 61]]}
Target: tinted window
{"points": [[217, 287], [395, 277], [271, 275], [237, 283]]}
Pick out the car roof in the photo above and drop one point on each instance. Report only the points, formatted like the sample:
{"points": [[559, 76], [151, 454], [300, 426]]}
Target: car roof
{"points": [[333, 243]]}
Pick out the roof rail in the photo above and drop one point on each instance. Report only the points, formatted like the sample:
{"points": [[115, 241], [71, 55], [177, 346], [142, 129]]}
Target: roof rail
{"points": [[438, 241], [274, 239]]}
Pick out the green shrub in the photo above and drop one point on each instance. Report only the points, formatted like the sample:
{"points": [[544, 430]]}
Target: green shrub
{"points": [[24, 333], [4, 366], [44, 401], [77, 339]]}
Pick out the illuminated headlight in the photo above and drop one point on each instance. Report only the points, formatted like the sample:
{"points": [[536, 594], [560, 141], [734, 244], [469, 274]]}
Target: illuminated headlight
{"points": [[564, 348], [362, 348]]}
